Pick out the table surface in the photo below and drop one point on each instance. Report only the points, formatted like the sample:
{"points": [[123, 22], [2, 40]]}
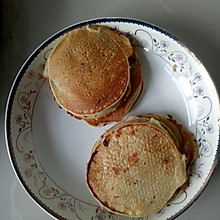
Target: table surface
{"points": [[25, 24]]}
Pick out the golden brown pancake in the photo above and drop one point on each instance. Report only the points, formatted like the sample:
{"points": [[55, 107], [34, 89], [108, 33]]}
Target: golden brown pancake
{"points": [[136, 167], [89, 74]]}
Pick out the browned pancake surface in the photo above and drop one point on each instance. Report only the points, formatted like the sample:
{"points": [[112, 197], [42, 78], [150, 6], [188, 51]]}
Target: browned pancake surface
{"points": [[88, 72], [187, 144], [135, 169]]}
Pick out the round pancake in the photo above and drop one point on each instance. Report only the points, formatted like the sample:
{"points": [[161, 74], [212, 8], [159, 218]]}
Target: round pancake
{"points": [[135, 168], [88, 71]]}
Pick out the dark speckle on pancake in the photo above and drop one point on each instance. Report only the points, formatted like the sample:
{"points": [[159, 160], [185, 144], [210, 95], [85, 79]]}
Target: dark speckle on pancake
{"points": [[105, 143]]}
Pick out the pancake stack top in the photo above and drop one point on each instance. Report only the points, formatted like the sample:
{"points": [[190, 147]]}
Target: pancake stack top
{"points": [[95, 75], [140, 164]]}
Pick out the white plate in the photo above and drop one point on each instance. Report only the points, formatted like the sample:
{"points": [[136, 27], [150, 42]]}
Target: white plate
{"points": [[49, 149]]}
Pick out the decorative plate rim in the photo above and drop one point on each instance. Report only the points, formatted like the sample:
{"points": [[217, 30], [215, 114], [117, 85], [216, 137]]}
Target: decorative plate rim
{"points": [[32, 57]]}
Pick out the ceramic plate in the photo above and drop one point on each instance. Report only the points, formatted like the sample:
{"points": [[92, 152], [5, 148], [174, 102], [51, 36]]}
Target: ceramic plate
{"points": [[49, 149]]}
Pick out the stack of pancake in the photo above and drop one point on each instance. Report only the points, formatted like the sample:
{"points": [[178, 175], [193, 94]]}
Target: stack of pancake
{"points": [[95, 75], [140, 164]]}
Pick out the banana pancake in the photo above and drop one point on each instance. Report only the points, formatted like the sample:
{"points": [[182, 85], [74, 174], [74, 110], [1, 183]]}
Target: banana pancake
{"points": [[136, 167], [89, 72]]}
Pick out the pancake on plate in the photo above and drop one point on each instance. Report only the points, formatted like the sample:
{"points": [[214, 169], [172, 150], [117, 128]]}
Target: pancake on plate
{"points": [[94, 74], [140, 164]]}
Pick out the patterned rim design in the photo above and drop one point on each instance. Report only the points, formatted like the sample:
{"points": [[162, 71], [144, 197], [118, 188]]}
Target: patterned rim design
{"points": [[24, 93]]}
